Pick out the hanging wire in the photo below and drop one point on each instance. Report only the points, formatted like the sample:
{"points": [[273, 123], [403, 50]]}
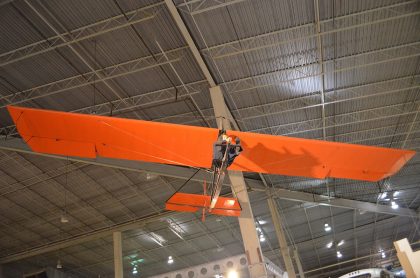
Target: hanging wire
{"points": [[94, 81], [65, 187]]}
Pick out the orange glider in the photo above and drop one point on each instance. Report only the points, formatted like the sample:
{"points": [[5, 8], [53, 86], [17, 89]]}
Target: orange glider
{"points": [[90, 136]]}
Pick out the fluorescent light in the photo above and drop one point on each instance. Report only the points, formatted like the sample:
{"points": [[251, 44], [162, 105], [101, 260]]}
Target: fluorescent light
{"points": [[339, 255], [327, 227], [329, 244], [150, 176], [135, 270], [383, 255], [175, 228], [262, 222], [340, 243], [262, 238], [233, 274], [396, 193], [170, 260], [157, 238], [394, 205], [383, 195]]}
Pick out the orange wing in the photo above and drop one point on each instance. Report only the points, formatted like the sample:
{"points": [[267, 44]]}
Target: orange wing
{"points": [[90, 136]]}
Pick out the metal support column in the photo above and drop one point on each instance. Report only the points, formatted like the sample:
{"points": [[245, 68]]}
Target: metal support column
{"points": [[299, 264], [118, 262], [277, 221], [252, 246]]}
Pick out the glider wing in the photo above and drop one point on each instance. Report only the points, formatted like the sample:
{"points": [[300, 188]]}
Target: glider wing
{"points": [[89, 136]]}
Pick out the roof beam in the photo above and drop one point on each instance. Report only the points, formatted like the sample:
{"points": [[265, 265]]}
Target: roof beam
{"points": [[194, 7], [302, 72], [187, 36], [89, 78], [79, 34], [90, 236], [322, 200], [305, 31]]}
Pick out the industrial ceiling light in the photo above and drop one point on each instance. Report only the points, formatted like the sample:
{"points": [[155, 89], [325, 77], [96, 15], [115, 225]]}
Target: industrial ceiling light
{"points": [[383, 255], [339, 255], [394, 205], [157, 238], [329, 244], [59, 265], [150, 177], [327, 227], [170, 260], [233, 274], [262, 222], [64, 219], [135, 271], [340, 243], [175, 228], [383, 195], [262, 238]]}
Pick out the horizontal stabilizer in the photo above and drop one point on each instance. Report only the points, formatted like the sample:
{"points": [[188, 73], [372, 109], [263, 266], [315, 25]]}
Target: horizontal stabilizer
{"points": [[192, 202]]}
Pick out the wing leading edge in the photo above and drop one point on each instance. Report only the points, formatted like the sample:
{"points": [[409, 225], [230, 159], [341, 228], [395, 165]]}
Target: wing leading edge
{"points": [[89, 136]]}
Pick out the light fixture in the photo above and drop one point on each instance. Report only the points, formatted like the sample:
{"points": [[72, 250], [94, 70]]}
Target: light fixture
{"points": [[262, 238], [383, 195], [339, 255], [382, 252], [59, 265], [329, 244], [340, 243], [396, 193], [262, 222], [135, 271], [232, 274], [327, 227], [170, 260], [175, 228], [157, 238], [394, 205], [64, 219], [150, 177]]}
